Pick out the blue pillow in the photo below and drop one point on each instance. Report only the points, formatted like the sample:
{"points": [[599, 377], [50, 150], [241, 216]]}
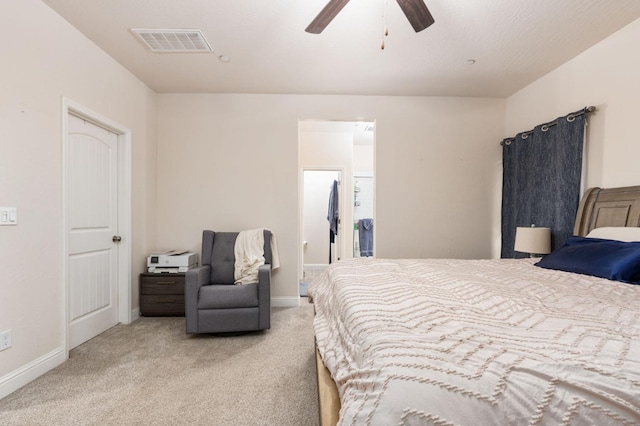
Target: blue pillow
{"points": [[615, 260]]}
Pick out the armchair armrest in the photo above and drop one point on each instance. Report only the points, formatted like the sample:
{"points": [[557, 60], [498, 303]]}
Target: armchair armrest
{"points": [[264, 296], [194, 279]]}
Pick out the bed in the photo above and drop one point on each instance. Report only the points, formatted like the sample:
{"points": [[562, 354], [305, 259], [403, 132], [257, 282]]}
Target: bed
{"points": [[501, 341]]}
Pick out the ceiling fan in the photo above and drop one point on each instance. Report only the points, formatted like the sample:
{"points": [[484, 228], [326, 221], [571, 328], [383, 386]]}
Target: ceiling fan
{"points": [[415, 10]]}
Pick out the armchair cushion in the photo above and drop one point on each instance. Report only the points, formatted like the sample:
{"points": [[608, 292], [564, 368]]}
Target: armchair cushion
{"points": [[223, 296], [223, 258]]}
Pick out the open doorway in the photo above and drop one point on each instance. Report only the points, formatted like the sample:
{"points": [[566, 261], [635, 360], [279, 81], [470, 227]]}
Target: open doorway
{"points": [[345, 148], [321, 245]]}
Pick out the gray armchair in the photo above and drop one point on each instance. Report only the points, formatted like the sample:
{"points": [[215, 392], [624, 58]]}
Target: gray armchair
{"points": [[213, 304]]}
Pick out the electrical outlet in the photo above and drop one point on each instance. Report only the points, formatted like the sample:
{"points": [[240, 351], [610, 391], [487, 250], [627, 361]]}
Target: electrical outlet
{"points": [[5, 340]]}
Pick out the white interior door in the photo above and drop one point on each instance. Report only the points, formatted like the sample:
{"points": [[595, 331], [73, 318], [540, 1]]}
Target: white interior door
{"points": [[92, 162]]}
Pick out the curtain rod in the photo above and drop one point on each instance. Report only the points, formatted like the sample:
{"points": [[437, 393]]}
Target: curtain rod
{"points": [[544, 127]]}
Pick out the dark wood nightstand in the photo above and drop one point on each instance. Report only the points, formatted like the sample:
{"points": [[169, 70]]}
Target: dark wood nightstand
{"points": [[162, 294]]}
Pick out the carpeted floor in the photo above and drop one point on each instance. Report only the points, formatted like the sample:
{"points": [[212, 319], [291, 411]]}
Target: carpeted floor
{"points": [[151, 373]]}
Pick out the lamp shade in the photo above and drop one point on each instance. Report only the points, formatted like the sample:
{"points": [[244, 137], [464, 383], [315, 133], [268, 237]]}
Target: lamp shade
{"points": [[533, 240]]}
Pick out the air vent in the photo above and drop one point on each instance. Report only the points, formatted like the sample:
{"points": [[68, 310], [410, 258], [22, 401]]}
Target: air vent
{"points": [[172, 41]]}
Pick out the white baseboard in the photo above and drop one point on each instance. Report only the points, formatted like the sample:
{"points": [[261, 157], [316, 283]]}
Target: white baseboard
{"points": [[31, 371], [135, 314], [285, 302], [315, 267]]}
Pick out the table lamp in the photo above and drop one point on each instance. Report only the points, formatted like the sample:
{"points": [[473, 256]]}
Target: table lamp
{"points": [[533, 240]]}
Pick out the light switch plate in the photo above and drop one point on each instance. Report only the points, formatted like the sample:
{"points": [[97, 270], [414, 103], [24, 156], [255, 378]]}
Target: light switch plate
{"points": [[8, 216]]}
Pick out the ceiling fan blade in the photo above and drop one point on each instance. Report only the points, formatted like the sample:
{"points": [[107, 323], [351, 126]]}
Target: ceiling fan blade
{"points": [[325, 16], [417, 14]]}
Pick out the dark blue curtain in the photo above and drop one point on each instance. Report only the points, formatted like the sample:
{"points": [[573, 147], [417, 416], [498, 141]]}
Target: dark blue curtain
{"points": [[541, 180]]}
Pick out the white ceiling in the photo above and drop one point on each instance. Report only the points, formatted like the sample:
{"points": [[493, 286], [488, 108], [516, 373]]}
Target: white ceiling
{"points": [[513, 42]]}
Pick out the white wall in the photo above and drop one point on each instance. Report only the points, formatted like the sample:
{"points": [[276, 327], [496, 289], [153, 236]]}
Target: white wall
{"points": [[43, 60], [606, 76], [315, 226], [363, 160], [229, 162]]}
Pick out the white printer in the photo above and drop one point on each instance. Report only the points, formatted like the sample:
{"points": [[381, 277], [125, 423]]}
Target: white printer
{"points": [[173, 261]]}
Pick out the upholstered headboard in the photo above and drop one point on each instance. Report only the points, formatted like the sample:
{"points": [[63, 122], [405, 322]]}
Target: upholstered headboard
{"points": [[601, 207]]}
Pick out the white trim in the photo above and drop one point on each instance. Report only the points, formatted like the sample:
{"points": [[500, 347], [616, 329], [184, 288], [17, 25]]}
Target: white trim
{"points": [[375, 189], [315, 267], [31, 371], [135, 314], [124, 226], [285, 302], [124, 209]]}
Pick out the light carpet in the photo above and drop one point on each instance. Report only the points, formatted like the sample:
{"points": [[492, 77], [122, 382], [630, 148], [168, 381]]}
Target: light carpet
{"points": [[150, 372]]}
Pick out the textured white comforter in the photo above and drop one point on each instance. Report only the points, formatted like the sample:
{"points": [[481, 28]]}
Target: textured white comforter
{"points": [[478, 342]]}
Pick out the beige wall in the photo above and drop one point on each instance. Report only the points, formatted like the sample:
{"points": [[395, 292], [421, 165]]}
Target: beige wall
{"points": [[43, 60], [230, 162], [606, 76]]}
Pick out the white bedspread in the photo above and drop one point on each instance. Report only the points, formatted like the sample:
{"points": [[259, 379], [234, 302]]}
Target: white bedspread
{"points": [[486, 342]]}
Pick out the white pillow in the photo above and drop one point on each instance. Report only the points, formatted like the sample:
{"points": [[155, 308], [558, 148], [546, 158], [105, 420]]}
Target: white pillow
{"points": [[626, 234]]}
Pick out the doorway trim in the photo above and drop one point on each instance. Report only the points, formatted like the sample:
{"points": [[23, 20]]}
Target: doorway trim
{"points": [[124, 209]]}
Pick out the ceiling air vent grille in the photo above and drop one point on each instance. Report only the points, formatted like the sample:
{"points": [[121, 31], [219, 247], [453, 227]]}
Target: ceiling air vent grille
{"points": [[171, 41]]}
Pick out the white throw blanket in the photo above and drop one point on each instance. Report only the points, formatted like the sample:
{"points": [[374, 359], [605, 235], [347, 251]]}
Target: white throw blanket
{"points": [[249, 251]]}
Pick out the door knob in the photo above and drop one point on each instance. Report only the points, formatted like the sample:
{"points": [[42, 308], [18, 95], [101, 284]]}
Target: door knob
{"points": [[116, 238]]}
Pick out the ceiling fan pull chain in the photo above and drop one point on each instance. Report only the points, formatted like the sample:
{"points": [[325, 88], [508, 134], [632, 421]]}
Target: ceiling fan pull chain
{"points": [[385, 33], [386, 23]]}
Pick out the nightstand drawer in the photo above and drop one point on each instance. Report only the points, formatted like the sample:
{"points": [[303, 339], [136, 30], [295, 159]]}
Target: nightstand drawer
{"points": [[162, 305], [162, 294], [162, 284]]}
